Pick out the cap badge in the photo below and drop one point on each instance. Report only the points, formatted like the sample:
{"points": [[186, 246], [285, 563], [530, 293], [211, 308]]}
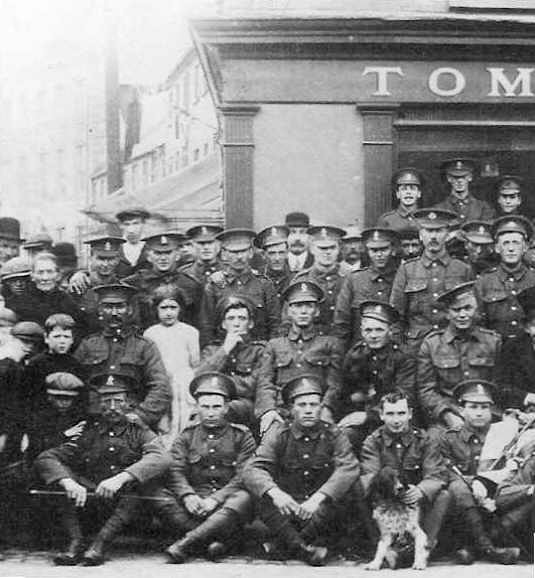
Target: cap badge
{"points": [[481, 230], [458, 165], [432, 216], [204, 230], [107, 246], [110, 380], [303, 286], [163, 240]]}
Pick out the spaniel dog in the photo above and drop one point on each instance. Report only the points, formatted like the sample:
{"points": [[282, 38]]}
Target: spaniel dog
{"points": [[396, 521]]}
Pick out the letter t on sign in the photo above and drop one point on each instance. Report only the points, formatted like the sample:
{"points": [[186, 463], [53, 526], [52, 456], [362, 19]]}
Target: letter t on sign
{"points": [[382, 73]]}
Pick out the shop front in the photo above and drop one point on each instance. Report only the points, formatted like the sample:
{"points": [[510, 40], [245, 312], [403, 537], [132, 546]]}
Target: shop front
{"points": [[317, 113]]}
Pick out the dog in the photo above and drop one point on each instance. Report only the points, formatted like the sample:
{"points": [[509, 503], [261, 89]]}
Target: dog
{"points": [[396, 522]]}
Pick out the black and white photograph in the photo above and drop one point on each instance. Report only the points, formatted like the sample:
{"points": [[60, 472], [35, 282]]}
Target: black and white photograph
{"points": [[267, 288]]}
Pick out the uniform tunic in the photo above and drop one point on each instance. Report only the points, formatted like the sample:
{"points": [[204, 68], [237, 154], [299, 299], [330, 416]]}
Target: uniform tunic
{"points": [[497, 289], [516, 371], [399, 219], [127, 352], [417, 284], [251, 284], [301, 351], [470, 209], [201, 271], [448, 357], [359, 286]]}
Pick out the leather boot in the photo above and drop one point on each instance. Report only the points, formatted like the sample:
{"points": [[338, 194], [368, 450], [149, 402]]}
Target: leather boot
{"points": [[220, 524], [71, 556], [94, 555]]}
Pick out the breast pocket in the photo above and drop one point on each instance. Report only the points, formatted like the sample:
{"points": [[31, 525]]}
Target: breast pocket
{"points": [[244, 369], [494, 296], [318, 360], [446, 362], [416, 285]]}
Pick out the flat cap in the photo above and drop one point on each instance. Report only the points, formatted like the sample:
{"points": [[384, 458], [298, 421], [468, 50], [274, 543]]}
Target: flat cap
{"points": [[449, 297], [212, 383], [274, 235], [237, 239], [377, 237], [379, 310], [325, 234], [63, 383], [39, 241], [458, 167], [512, 224], [205, 233], [303, 292], [304, 384], [28, 330], [133, 212], [114, 292], [478, 232], [15, 267], [509, 185], [10, 229], [476, 390], [434, 218], [297, 219], [407, 176], [225, 303], [106, 245]]}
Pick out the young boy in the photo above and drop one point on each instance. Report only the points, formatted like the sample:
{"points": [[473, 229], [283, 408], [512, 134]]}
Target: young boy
{"points": [[59, 337]]}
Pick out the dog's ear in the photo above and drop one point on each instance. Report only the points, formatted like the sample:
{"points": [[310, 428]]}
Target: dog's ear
{"points": [[383, 483]]}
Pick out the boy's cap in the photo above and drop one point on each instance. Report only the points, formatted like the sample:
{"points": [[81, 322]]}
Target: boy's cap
{"points": [[63, 383]]}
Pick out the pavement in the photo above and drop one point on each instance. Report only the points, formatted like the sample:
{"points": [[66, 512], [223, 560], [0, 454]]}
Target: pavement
{"points": [[122, 563]]}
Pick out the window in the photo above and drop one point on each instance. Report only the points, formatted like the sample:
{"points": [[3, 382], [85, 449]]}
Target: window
{"points": [[196, 154], [177, 161], [177, 126], [185, 92]]}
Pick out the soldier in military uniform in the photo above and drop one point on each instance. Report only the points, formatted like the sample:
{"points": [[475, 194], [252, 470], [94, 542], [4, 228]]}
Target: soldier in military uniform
{"points": [[162, 254], [206, 249], [462, 448], [103, 265], [111, 456], [478, 246], [509, 195], [418, 282], [414, 455], [274, 242], [301, 473], [461, 351], [352, 250], [303, 349], [205, 479], [237, 355], [132, 255], [407, 184], [325, 272], [374, 366], [373, 283], [238, 278], [119, 347], [497, 288], [459, 173], [410, 244]]}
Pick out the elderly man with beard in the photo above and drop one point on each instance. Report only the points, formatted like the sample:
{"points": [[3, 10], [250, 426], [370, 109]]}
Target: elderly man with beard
{"points": [[299, 257], [497, 288], [407, 183], [372, 283], [418, 282], [461, 351], [119, 347], [479, 246]]}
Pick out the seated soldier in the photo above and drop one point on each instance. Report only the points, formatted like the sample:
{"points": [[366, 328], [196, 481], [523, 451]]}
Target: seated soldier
{"points": [[205, 477], [111, 455], [461, 351], [373, 367], [301, 473], [462, 449], [238, 356], [304, 348], [414, 455]]}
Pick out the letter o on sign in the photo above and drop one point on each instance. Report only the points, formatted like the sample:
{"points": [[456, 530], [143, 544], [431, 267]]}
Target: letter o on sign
{"points": [[452, 74]]}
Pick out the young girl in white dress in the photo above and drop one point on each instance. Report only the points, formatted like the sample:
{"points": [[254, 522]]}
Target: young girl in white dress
{"points": [[178, 344]]}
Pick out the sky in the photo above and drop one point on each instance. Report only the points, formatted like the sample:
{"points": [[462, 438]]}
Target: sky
{"points": [[151, 33]]}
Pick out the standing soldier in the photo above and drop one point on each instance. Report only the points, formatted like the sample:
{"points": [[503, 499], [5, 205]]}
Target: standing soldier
{"points": [[303, 349], [132, 256], [410, 244], [325, 272], [162, 254], [497, 288], [274, 242], [111, 454], [301, 473], [459, 173], [462, 449], [119, 348], [459, 352], [509, 195], [211, 505], [352, 249], [237, 355], [373, 367], [407, 183], [299, 257], [238, 278], [373, 283], [206, 249], [420, 281], [478, 246]]}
